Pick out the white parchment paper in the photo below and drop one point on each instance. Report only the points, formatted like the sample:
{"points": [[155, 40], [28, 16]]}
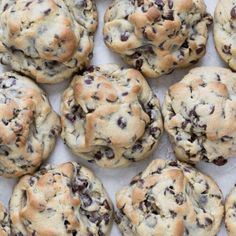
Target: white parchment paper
{"points": [[114, 179]]}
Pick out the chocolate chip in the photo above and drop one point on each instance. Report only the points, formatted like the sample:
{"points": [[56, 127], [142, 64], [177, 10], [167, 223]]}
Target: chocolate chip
{"points": [[79, 185], [179, 198], [106, 205], [137, 147], [159, 3], [98, 155], [233, 13], [121, 122], [220, 161], [226, 138], [173, 214], [139, 64], [185, 44], [169, 15], [86, 200], [106, 218], [5, 7], [124, 37], [109, 153], [170, 4], [200, 49], [70, 117], [173, 164], [140, 2], [227, 49]]}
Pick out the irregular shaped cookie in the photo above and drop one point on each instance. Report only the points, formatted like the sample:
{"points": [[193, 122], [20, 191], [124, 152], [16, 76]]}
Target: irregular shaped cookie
{"points": [[110, 116], [47, 40], [225, 31], [59, 201], [200, 116], [230, 213], [29, 127], [157, 36], [170, 198], [4, 222]]}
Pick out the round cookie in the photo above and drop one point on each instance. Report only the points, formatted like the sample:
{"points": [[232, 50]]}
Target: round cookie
{"points": [[47, 40], [110, 116], [60, 201], [29, 127], [170, 198], [4, 221], [230, 213], [157, 36], [225, 31], [200, 116]]}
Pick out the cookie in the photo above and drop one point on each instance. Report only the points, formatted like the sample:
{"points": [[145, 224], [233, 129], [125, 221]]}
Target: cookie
{"points": [[29, 127], [230, 213], [4, 222], [110, 116], [59, 201], [170, 198], [157, 36], [200, 116], [225, 31], [47, 40]]}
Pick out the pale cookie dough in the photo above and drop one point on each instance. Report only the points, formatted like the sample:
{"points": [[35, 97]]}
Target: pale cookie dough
{"points": [[29, 127], [170, 199], [199, 114], [157, 36], [230, 213], [4, 222], [225, 31], [47, 40], [110, 116], [67, 200]]}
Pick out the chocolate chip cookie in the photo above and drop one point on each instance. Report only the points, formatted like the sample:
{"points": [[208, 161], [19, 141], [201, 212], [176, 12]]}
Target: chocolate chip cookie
{"points": [[60, 201], [170, 198], [225, 31], [200, 116], [29, 127], [110, 116], [157, 36], [230, 213], [47, 40], [4, 222]]}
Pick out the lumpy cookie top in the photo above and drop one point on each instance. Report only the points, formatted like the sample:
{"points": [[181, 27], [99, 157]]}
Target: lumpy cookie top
{"points": [[157, 36], [47, 39], [4, 221], [172, 199], [200, 116], [28, 125], [110, 116], [60, 201], [230, 213], [225, 31]]}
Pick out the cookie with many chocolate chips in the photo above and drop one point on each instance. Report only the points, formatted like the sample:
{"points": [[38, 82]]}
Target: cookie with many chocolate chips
{"points": [[29, 127], [157, 36], [4, 222], [225, 31], [110, 116], [67, 200], [170, 198], [47, 40], [230, 213], [200, 116]]}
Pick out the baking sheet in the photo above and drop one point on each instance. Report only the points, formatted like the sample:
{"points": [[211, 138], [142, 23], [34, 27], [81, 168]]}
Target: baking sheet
{"points": [[114, 179]]}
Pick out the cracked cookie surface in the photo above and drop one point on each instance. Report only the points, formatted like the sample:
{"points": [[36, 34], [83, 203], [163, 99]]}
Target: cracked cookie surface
{"points": [[230, 213], [4, 221], [47, 40], [157, 36], [200, 116], [29, 127], [60, 201], [110, 116], [225, 31], [170, 198]]}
